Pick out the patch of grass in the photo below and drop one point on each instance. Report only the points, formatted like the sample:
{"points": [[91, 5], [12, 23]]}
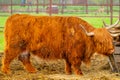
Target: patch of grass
{"points": [[96, 22], [1, 41], [2, 21]]}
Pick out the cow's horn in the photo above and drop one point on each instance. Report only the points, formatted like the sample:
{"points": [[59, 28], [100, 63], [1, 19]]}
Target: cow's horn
{"points": [[110, 26], [87, 33], [115, 35], [105, 25], [114, 31]]}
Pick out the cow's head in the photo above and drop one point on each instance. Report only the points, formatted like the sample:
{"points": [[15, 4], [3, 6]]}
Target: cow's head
{"points": [[115, 31], [102, 40]]}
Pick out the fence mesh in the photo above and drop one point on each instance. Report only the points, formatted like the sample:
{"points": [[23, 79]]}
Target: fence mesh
{"points": [[67, 7]]}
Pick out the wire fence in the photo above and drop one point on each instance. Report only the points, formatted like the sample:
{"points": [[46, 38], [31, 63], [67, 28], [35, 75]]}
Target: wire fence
{"points": [[93, 8], [81, 8]]}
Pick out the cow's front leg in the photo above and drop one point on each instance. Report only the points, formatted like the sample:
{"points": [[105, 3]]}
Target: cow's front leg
{"points": [[25, 59], [68, 67], [76, 63]]}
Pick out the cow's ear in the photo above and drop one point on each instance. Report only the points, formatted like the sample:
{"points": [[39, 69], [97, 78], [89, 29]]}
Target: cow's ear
{"points": [[87, 33]]}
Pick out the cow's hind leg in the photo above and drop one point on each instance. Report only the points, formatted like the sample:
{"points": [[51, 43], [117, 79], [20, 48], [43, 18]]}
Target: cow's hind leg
{"points": [[24, 57], [9, 55]]}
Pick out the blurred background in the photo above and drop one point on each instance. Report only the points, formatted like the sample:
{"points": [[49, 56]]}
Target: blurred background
{"points": [[92, 8]]}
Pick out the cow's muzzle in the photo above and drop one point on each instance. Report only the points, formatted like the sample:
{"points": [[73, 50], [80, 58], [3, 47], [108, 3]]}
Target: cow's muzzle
{"points": [[111, 51]]}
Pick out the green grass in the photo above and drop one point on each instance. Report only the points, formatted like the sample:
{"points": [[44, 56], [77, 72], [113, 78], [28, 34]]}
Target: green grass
{"points": [[80, 11], [1, 41], [2, 21], [96, 22]]}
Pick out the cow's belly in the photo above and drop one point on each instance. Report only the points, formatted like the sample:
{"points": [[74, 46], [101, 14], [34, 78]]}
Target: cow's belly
{"points": [[42, 61]]}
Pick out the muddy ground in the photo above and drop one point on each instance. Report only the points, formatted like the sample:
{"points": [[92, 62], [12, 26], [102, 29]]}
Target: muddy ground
{"points": [[99, 70]]}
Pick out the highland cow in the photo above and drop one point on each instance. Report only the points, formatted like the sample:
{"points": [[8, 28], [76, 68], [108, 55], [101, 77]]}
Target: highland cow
{"points": [[51, 38]]}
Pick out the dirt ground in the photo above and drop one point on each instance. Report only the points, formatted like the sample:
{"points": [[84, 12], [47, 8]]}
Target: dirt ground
{"points": [[99, 70]]}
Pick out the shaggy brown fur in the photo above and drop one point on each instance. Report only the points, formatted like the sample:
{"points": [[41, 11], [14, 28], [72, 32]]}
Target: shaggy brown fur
{"points": [[52, 38]]}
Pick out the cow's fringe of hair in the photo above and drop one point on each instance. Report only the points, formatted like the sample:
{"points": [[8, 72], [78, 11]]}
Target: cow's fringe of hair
{"points": [[103, 39]]}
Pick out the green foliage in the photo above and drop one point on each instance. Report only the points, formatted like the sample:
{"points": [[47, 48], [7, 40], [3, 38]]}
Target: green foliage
{"points": [[96, 22], [2, 21], [9, 1], [1, 41]]}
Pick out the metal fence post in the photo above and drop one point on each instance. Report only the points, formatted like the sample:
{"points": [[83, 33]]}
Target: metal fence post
{"points": [[111, 11], [86, 6], [37, 5], [119, 9], [11, 7], [50, 10], [63, 4], [107, 2]]}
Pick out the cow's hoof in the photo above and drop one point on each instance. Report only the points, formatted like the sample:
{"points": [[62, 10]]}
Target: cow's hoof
{"points": [[6, 71], [32, 70], [35, 71], [68, 72], [79, 73]]}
